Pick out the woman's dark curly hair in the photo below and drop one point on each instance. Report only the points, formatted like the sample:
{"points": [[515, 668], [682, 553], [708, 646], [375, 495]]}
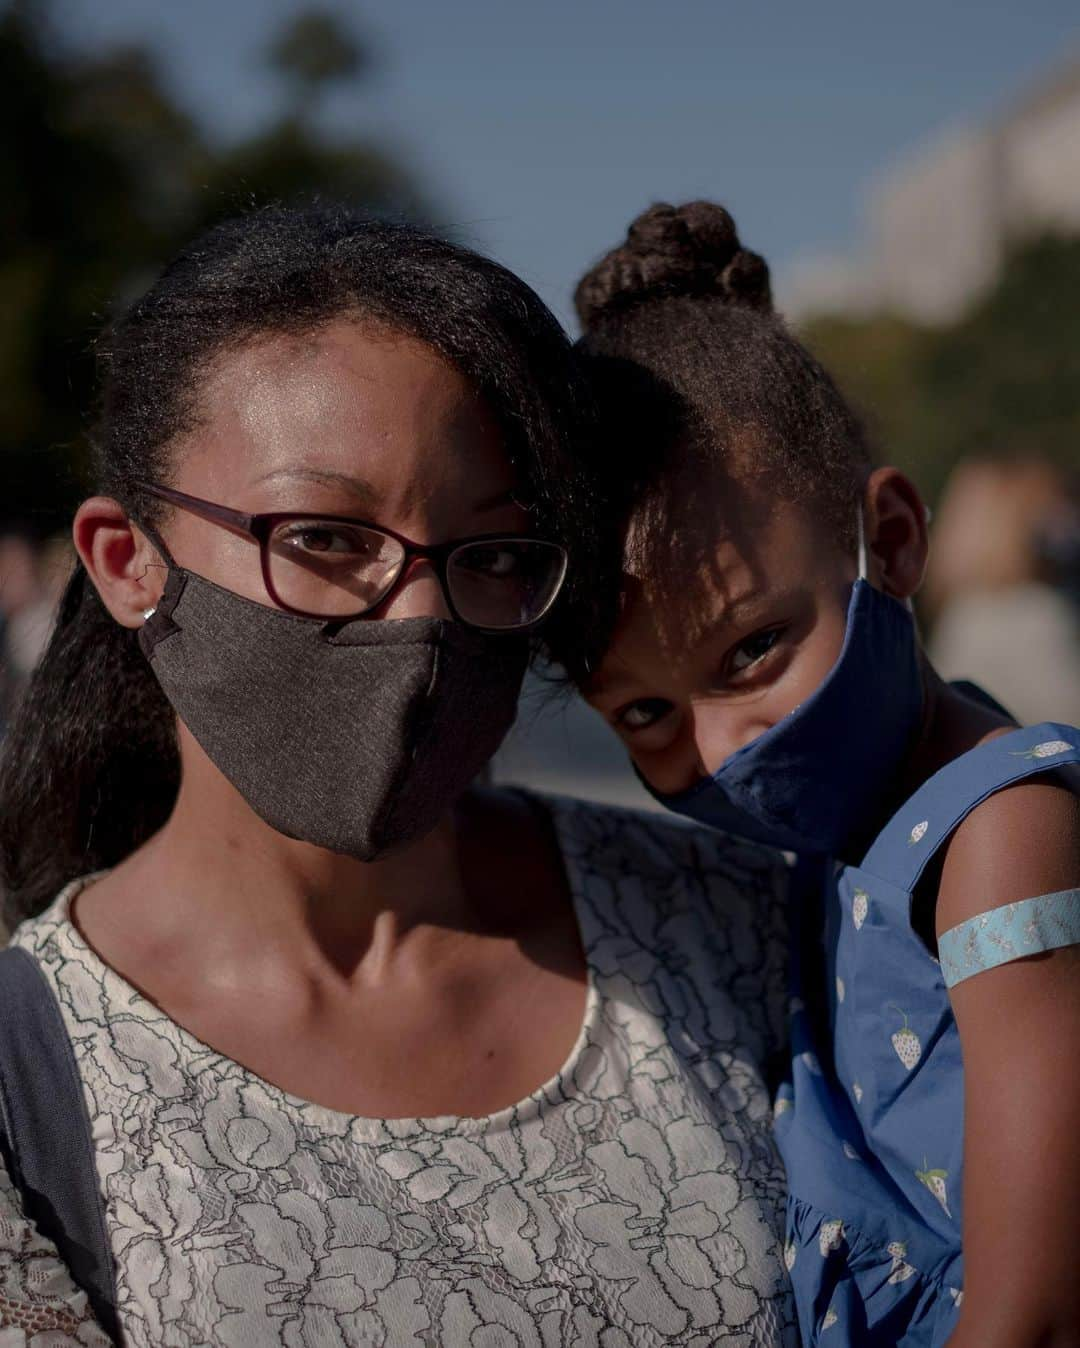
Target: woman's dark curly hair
{"points": [[91, 768]]}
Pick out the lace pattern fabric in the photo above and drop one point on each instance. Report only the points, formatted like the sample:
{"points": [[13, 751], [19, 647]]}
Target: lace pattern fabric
{"points": [[634, 1199], [38, 1300]]}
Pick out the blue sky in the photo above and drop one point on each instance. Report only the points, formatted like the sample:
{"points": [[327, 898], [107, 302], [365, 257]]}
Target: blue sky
{"points": [[541, 128]]}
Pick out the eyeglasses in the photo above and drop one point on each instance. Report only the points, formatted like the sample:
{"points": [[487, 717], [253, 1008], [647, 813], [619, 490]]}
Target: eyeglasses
{"points": [[332, 566]]}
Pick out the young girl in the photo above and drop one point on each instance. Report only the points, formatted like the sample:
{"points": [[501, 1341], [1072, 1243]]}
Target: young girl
{"points": [[766, 676]]}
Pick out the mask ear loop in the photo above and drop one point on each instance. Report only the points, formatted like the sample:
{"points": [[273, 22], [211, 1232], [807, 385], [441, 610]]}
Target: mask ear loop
{"points": [[170, 565], [862, 542]]}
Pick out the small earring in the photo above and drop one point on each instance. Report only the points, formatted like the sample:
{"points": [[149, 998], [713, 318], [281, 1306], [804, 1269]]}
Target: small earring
{"points": [[148, 613]]}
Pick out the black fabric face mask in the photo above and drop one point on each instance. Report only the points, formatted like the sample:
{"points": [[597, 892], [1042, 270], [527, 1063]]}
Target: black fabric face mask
{"points": [[355, 736]]}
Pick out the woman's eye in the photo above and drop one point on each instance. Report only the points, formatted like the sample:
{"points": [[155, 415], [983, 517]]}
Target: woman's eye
{"points": [[494, 562], [641, 715], [323, 540], [753, 649]]}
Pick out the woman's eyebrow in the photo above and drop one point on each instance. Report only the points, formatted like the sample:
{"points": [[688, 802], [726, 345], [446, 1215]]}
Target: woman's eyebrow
{"points": [[359, 486], [502, 498], [366, 492]]}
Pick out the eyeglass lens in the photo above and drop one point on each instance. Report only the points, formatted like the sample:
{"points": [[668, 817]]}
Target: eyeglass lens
{"points": [[507, 582], [330, 569], [337, 570]]}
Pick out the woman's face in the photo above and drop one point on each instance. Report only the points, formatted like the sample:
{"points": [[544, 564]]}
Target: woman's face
{"points": [[699, 669], [350, 420]]}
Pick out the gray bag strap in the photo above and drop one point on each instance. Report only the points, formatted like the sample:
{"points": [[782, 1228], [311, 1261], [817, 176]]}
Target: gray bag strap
{"points": [[45, 1131]]}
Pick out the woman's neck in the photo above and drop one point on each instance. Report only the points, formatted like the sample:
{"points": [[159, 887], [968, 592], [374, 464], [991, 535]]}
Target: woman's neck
{"points": [[241, 901], [393, 989]]}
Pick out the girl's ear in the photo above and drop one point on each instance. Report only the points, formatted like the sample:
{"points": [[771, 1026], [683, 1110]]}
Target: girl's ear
{"points": [[121, 562], [895, 520]]}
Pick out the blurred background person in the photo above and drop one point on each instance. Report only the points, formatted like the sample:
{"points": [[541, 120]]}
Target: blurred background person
{"points": [[1001, 586], [32, 577]]}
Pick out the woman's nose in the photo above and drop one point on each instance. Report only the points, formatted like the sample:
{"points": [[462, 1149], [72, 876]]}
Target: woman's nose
{"points": [[419, 594]]}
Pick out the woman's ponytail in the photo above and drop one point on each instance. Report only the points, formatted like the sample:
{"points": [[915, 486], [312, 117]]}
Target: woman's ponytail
{"points": [[90, 769]]}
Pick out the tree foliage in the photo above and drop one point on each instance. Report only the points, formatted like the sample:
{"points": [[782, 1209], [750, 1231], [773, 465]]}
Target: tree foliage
{"points": [[102, 176], [1003, 380], [316, 49]]}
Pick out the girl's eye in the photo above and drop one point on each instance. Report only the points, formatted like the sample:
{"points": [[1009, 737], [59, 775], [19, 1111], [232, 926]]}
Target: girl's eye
{"points": [[753, 649], [641, 715]]}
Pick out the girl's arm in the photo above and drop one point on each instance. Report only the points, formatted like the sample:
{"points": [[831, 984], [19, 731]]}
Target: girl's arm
{"points": [[1019, 1029], [37, 1293]]}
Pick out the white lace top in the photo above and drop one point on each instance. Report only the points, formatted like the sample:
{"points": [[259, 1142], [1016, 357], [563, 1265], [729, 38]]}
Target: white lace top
{"points": [[634, 1199]]}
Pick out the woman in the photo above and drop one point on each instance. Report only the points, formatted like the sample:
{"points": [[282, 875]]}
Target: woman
{"points": [[368, 1056]]}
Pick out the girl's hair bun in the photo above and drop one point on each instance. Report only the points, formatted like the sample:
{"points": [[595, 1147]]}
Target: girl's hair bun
{"points": [[675, 250]]}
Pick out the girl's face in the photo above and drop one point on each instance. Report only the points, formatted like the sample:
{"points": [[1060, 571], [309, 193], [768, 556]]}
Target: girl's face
{"points": [[351, 421], [696, 671]]}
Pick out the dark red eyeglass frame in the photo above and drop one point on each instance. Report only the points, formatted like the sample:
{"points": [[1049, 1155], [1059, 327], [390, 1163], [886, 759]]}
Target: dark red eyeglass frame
{"points": [[259, 528]]}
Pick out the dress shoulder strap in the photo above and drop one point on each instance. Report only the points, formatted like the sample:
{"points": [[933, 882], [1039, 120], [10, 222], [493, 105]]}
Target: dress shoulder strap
{"points": [[907, 843], [45, 1132]]}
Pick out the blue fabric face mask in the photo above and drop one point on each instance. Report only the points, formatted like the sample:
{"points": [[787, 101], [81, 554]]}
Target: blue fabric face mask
{"points": [[816, 778]]}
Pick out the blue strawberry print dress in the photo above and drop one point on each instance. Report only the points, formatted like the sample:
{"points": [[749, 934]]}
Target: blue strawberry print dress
{"points": [[871, 1123]]}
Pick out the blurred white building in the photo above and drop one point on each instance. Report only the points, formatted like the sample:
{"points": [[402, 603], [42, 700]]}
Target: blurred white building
{"points": [[936, 228], [939, 222]]}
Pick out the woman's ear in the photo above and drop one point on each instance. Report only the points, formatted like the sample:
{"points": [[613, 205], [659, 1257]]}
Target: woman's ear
{"points": [[121, 561], [897, 544]]}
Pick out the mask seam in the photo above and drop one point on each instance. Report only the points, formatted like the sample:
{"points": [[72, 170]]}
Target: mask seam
{"points": [[427, 718], [402, 748]]}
